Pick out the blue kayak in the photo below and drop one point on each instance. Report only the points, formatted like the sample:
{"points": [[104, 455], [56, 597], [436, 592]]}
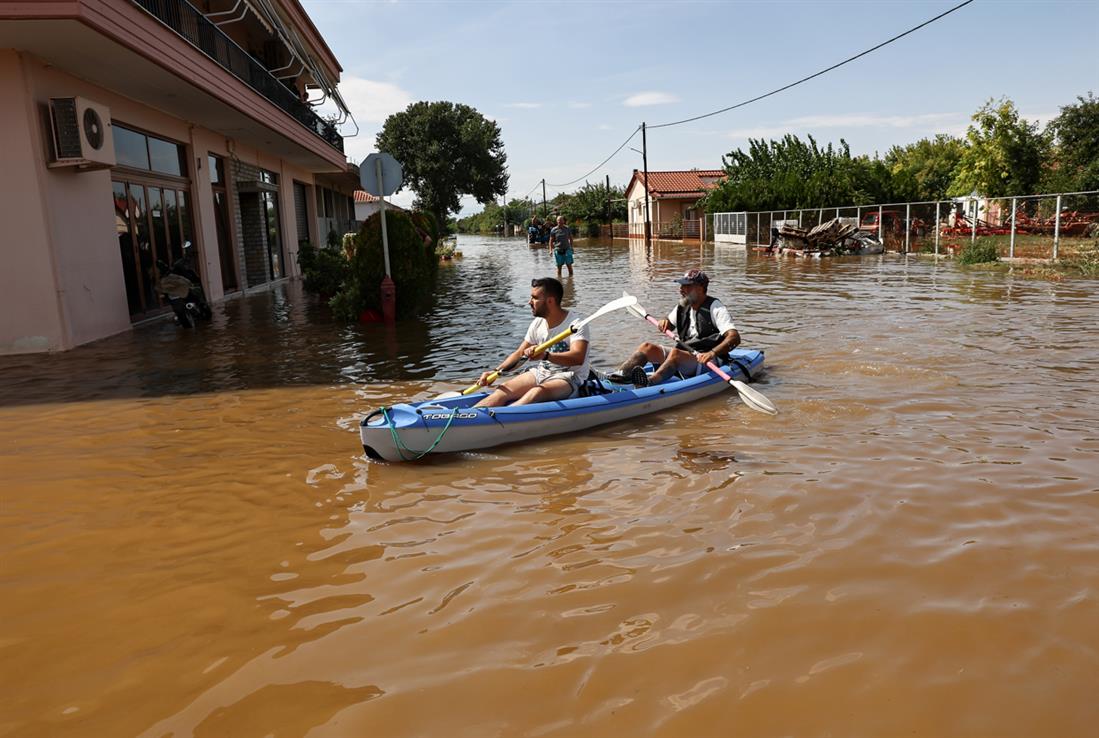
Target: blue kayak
{"points": [[409, 431]]}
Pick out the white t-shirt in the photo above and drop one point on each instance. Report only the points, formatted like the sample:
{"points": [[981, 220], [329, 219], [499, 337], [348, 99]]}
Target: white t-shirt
{"points": [[539, 333], [719, 314]]}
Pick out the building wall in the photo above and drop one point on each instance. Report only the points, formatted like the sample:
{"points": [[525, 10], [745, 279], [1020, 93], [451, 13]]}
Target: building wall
{"points": [[31, 317], [63, 282]]}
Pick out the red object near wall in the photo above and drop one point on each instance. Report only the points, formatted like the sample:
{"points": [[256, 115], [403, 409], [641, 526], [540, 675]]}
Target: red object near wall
{"points": [[389, 299]]}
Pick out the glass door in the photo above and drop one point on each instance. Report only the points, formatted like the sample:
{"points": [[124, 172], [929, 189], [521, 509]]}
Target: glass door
{"points": [[152, 224]]}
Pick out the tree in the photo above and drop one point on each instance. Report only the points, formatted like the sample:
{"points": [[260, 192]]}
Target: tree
{"points": [[791, 173], [447, 150], [924, 170], [1075, 134], [1004, 155], [589, 204]]}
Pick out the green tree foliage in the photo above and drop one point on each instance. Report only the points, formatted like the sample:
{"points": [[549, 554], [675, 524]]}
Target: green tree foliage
{"points": [[353, 281], [924, 170], [1075, 134], [589, 204], [447, 150], [1004, 153], [791, 173], [493, 217]]}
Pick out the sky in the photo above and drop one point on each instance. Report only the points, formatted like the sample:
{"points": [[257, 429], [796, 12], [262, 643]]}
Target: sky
{"points": [[568, 82]]}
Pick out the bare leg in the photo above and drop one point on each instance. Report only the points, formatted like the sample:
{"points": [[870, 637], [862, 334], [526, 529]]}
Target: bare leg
{"points": [[646, 352], [510, 391], [553, 389], [677, 361]]}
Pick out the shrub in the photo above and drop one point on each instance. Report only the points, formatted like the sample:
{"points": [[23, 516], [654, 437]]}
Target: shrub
{"points": [[323, 270], [978, 252], [412, 260]]}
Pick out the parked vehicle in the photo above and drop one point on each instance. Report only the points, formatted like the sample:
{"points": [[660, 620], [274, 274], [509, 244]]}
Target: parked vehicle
{"points": [[182, 286]]}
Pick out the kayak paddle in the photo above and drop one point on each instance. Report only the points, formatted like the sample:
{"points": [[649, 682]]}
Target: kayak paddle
{"points": [[622, 302], [753, 398]]}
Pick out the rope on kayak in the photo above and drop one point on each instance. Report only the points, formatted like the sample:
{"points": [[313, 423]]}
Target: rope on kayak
{"points": [[401, 448]]}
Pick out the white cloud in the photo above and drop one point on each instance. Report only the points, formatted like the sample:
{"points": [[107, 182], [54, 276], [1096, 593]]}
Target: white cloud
{"points": [[578, 105], [605, 127], [642, 99], [371, 102], [523, 105]]}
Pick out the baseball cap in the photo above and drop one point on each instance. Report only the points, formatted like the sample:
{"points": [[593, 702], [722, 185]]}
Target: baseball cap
{"points": [[695, 276]]}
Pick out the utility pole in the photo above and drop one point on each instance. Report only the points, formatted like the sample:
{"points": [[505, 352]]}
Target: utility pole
{"points": [[645, 163], [543, 198], [610, 224]]}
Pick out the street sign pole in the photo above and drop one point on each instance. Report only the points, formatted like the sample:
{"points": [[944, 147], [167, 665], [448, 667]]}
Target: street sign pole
{"points": [[385, 233], [388, 288], [385, 179]]}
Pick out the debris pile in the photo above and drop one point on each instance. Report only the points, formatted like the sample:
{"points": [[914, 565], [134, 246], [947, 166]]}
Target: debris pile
{"points": [[831, 237]]}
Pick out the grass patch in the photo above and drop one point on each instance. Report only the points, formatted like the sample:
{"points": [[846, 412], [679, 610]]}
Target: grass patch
{"points": [[978, 253]]}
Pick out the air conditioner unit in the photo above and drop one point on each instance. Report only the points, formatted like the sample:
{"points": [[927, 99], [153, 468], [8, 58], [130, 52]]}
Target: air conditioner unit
{"points": [[81, 133]]}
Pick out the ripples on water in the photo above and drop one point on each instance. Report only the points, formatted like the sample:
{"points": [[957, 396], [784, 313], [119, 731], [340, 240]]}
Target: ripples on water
{"points": [[193, 544]]}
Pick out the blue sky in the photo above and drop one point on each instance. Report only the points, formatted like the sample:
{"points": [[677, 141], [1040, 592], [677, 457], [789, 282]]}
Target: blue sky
{"points": [[568, 81]]}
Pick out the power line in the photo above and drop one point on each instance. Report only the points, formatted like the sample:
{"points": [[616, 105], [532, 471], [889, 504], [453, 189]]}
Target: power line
{"points": [[817, 74], [600, 165]]}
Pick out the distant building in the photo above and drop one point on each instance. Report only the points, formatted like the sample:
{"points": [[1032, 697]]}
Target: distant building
{"points": [[367, 204], [672, 201], [130, 127]]}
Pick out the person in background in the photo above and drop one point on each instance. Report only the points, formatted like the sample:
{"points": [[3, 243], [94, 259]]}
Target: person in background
{"points": [[700, 321], [560, 244], [560, 369]]}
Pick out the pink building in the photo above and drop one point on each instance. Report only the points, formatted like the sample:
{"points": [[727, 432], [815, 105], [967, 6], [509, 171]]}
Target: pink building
{"points": [[130, 127], [673, 201]]}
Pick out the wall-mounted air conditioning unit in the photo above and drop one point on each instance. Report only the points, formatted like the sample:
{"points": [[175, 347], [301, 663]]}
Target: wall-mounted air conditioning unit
{"points": [[81, 133]]}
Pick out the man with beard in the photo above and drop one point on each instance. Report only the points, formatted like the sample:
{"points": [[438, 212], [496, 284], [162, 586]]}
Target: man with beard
{"points": [[560, 370], [700, 321]]}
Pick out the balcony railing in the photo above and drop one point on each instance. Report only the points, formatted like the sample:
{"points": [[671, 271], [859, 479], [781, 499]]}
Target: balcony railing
{"points": [[188, 22]]}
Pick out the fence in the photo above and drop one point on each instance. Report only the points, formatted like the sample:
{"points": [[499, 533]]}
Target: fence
{"points": [[1027, 226], [694, 229]]}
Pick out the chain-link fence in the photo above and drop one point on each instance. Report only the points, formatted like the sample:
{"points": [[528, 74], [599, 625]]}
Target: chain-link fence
{"points": [[1027, 226]]}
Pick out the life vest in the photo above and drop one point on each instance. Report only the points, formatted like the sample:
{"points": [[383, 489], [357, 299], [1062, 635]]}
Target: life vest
{"points": [[708, 337]]}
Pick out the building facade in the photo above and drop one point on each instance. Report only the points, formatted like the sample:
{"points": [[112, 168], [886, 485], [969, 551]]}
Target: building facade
{"points": [[673, 201], [132, 128]]}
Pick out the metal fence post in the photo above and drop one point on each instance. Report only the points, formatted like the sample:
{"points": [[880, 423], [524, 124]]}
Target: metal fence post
{"points": [[881, 231], [907, 224], [858, 216], [1011, 243], [973, 226], [837, 212], [936, 229], [1057, 228]]}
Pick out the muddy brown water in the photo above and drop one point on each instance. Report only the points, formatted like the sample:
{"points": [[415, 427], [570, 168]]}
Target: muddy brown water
{"points": [[191, 542]]}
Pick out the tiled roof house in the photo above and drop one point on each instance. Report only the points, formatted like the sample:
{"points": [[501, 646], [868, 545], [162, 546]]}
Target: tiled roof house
{"points": [[672, 200]]}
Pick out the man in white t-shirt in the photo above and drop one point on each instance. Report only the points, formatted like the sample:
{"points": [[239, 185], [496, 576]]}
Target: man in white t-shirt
{"points": [[700, 321], [560, 369]]}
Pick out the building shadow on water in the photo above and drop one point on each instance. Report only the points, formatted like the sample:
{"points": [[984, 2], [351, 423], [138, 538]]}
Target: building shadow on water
{"points": [[277, 338]]}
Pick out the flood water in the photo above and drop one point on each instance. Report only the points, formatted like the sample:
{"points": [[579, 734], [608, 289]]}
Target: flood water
{"points": [[192, 543]]}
